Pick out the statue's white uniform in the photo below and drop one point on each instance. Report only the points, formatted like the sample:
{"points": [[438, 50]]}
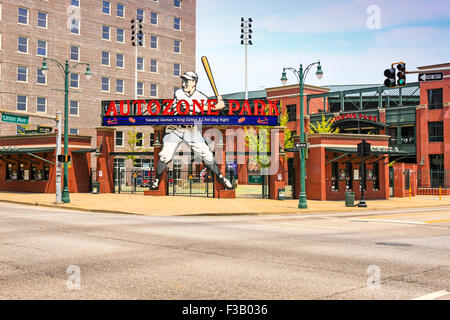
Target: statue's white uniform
{"points": [[175, 134]]}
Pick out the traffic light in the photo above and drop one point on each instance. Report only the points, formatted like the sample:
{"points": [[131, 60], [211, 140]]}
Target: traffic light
{"points": [[401, 67], [63, 158], [390, 77]]}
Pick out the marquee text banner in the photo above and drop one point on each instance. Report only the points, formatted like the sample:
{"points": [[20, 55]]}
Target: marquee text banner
{"points": [[168, 112]]}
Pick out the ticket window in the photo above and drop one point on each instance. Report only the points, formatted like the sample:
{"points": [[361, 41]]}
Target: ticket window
{"points": [[46, 172], [376, 176], [334, 176], [21, 172], [9, 170]]}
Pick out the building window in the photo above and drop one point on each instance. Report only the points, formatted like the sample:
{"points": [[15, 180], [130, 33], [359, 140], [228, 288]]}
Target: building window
{"points": [[22, 103], [105, 58], [153, 90], [176, 69], [119, 60], [73, 131], [140, 88], [73, 108], [437, 172], [41, 104], [292, 112], [177, 23], [154, 18], [436, 131], [154, 42], [119, 139], [177, 3], [22, 44], [334, 176], [74, 53], [41, 48], [152, 139], [120, 10], [40, 77], [75, 26], [74, 80], [154, 66], [106, 7], [22, 16], [22, 74], [140, 63], [177, 46], [120, 36], [435, 100], [140, 14], [139, 139], [75, 3], [119, 86], [106, 33], [105, 84], [42, 19], [408, 135]]}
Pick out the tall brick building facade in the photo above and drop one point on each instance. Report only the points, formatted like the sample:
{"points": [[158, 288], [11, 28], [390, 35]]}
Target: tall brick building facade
{"points": [[97, 32]]}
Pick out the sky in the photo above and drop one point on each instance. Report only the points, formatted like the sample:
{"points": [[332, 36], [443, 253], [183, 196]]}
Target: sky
{"points": [[355, 40]]}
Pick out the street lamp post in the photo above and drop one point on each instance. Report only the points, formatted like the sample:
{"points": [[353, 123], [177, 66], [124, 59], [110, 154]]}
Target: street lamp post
{"points": [[66, 69], [301, 75]]}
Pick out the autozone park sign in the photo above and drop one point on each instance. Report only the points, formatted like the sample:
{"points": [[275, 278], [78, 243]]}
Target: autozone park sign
{"points": [[170, 112], [355, 116]]}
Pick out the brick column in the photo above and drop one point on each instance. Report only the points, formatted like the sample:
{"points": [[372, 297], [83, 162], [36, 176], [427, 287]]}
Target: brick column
{"points": [[382, 118], [105, 162], [399, 180], [422, 144], [278, 159], [219, 189]]}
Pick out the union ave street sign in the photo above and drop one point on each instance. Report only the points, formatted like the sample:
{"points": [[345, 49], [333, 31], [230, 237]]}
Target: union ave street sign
{"points": [[435, 76], [14, 118]]}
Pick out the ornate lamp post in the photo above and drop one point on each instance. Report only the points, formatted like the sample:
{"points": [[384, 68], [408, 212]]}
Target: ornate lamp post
{"points": [[66, 69], [301, 75]]}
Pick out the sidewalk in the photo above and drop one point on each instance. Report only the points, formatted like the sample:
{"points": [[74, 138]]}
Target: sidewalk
{"points": [[177, 206]]}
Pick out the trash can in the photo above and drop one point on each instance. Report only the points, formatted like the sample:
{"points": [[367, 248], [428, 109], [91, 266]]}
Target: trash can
{"points": [[281, 194], [349, 199], [96, 187]]}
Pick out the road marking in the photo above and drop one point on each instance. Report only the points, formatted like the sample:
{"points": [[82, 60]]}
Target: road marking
{"points": [[405, 215], [392, 221], [437, 221], [433, 295]]}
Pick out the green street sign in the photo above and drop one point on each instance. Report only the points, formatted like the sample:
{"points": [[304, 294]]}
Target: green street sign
{"points": [[14, 118]]}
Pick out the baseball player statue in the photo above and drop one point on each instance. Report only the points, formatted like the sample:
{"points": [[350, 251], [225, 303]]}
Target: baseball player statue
{"points": [[175, 134]]}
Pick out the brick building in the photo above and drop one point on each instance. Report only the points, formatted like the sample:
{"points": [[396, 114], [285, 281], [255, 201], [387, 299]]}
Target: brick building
{"points": [[99, 33]]}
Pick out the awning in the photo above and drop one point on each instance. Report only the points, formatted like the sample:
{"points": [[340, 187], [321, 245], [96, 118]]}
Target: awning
{"points": [[358, 123], [87, 150], [376, 150]]}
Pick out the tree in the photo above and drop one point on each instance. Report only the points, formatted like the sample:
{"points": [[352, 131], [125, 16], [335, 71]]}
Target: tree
{"points": [[324, 126], [257, 138], [132, 141]]}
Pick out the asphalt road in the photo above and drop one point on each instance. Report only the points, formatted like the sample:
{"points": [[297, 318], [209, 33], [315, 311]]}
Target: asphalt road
{"points": [[56, 254]]}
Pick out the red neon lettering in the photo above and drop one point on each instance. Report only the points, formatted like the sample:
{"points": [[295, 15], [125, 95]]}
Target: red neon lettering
{"points": [[211, 105], [259, 108], [196, 104], [273, 107], [168, 108], [232, 109], [156, 104], [139, 106], [122, 111], [112, 108], [375, 118], [246, 108], [186, 111]]}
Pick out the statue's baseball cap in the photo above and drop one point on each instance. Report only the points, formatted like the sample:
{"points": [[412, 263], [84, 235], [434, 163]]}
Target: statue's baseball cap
{"points": [[189, 75]]}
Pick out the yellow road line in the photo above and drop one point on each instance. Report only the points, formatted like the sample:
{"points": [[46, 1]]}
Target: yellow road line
{"points": [[437, 221]]}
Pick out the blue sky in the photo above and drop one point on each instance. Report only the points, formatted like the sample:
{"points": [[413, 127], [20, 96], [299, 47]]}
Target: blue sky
{"points": [[290, 32]]}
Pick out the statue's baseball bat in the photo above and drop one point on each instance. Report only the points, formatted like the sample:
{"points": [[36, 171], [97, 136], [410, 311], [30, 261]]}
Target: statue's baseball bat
{"points": [[209, 74]]}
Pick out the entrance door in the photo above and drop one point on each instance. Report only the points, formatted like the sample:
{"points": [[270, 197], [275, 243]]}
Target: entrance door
{"points": [[349, 176], [182, 181]]}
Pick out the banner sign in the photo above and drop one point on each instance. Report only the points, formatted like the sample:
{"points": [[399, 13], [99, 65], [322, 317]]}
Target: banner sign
{"points": [[183, 112]]}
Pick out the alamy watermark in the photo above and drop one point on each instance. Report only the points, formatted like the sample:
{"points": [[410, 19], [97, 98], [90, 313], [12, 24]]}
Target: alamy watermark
{"points": [[374, 20]]}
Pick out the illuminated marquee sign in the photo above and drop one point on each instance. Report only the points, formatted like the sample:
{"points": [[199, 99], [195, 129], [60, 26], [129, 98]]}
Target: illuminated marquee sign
{"points": [[355, 116], [183, 112]]}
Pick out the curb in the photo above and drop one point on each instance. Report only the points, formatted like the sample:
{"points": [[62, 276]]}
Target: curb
{"points": [[309, 211]]}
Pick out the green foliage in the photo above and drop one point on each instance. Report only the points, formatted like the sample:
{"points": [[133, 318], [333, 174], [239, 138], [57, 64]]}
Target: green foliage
{"points": [[324, 126], [257, 138], [132, 140]]}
